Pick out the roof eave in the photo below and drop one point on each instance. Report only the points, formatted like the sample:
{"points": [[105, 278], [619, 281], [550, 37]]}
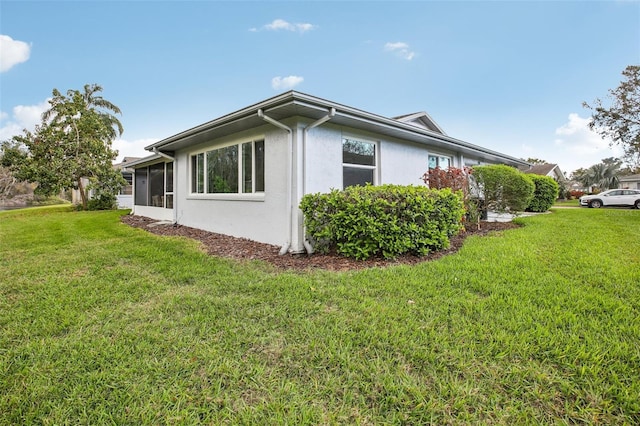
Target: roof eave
{"points": [[409, 131]]}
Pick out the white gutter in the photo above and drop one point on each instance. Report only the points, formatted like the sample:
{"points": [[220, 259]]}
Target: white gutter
{"points": [[175, 199], [162, 154], [285, 248], [322, 120]]}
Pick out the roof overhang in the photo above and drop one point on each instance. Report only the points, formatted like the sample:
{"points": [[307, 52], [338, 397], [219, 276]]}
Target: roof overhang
{"points": [[145, 161], [296, 104]]}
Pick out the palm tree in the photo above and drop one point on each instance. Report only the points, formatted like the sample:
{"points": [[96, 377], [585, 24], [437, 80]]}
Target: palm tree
{"points": [[601, 175]]}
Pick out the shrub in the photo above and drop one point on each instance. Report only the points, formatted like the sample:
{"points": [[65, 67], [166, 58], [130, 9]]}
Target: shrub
{"points": [[545, 193], [389, 220], [574, 193], [504, 188], [102, 202], [457, 180], [453, 178]]}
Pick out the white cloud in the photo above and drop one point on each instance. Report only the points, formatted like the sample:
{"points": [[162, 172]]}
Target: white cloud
{"points": [[286, 83], [282, 25], [23, 117], [578, 146], [527, 148], [12, 52], [401, 49], [134, 148]]}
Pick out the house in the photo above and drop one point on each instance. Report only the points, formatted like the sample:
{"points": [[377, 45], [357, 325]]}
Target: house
{"points": [[551, 170], [244, 174], [629, 182]]}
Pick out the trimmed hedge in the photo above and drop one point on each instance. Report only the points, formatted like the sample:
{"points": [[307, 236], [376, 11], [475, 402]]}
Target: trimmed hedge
{"points": [[504, 188], [545, 194], [388, 220]]}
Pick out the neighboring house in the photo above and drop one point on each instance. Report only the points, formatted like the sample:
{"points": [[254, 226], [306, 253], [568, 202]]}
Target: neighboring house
{"points": [[551, 170], [125, 196], [629, 182], [244, 174]]}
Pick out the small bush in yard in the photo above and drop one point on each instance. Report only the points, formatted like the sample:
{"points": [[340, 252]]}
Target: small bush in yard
{"points": [[504, 188], [545, 193], [457, 180], [389, 220], [574, 194]]}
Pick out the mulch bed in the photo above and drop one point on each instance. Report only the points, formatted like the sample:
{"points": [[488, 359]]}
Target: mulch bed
{"points": [[244, 249]]}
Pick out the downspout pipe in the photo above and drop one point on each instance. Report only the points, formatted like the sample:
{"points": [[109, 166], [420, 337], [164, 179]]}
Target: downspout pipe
{"points": [[162, 154], [285, 248], [175, 167], [332, 112]]}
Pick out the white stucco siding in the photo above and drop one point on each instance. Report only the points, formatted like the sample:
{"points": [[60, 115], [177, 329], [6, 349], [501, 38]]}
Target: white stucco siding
{"points": [[399, 162], [157, 213], [259, 217], [124, 201], [323, 159], [402, 164]]}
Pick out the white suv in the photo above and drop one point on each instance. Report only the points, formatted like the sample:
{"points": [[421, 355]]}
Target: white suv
{"points": [[613, 197]]}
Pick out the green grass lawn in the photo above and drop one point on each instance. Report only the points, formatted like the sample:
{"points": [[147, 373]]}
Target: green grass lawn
{"points": [[567, 203], [104, 324]]}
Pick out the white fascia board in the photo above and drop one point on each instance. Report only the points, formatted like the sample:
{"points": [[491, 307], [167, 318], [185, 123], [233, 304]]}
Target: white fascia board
{"points": [[225, 119], [358, 115], [145, 160], [410, 130]]}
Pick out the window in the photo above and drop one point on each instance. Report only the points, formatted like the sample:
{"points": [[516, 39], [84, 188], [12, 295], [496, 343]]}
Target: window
{"points": [[154, 185], [141, 187], [222, 170], [229, 170], [358, 162], [128, 187], [439, 161], [197, 173], [168, 197]]}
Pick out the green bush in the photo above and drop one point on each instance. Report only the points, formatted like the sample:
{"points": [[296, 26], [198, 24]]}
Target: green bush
{"points": [[389, 220], [503, 188], [102, 202], [545, 193]]}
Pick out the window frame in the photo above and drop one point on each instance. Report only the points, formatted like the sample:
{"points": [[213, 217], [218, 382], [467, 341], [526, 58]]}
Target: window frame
{"points": [[376, 158], [439, 157], [240, 144]]}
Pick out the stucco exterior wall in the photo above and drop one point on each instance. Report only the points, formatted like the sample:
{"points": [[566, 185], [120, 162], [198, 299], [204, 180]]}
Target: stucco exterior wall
{"points": [[399, 162], [403, 164], [323, 159], [158, 213], [261, 216], [124, 201]]}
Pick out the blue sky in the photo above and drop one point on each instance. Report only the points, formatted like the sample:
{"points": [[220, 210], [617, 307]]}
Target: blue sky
{"points": [[510, 76]]}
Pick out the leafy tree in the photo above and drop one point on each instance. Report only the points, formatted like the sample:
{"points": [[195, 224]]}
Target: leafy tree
{"points": [[72, 142], [535, 161], [621, 120], [7, 182]]}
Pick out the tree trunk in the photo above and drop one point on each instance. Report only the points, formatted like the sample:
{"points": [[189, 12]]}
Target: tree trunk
{"points": [[83, 194]]}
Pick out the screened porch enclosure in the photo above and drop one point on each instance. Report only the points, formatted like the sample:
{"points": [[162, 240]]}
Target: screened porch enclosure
{"points": [[154, 185]]}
